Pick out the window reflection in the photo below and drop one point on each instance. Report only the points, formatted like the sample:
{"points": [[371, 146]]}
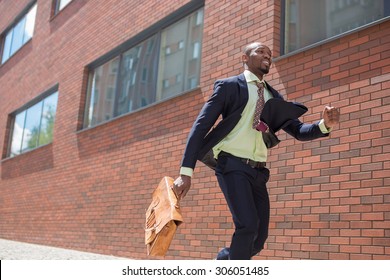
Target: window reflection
{"points": [[308, 22], [30, 22], [61, 4], [102, 97], [34, 126], [160, 67], [138, 75], [48, 118], [31, 128], [183, 40], [17, 136], [19, 34]]}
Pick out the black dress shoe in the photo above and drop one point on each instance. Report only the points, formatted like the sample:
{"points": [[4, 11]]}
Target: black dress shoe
{"points": [[223, 254]]}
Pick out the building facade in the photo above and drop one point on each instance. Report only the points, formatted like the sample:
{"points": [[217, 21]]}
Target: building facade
{"points": [[97, 99]]}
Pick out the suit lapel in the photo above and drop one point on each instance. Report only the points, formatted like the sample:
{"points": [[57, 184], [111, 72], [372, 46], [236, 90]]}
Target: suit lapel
{"points": [[274, 93], [244, 93]]}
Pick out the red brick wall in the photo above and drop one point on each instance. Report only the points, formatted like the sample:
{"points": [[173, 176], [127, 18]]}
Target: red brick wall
{"points": [[330, 198]]}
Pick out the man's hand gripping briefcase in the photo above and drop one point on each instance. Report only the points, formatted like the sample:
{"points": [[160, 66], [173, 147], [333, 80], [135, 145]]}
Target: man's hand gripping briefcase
{"points": [[162, 218]]}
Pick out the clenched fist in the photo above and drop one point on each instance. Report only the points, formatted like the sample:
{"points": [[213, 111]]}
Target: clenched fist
{"points": [[182, 185], [331, 116]]}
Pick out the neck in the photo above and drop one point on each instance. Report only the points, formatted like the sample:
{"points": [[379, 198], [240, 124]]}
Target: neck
{"points": [[259, 75]]}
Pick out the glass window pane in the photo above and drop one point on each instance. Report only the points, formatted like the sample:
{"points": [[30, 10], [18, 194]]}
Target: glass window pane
{"points": [[31, 129], [101, 107], [62, 4], [17, 39], [30, 22], [140, 62], [34, 126], [48, 118], [172, 53], [7, 46], [195, 35], [17, 134], [308, 22], [183, 40], [160, 67]]}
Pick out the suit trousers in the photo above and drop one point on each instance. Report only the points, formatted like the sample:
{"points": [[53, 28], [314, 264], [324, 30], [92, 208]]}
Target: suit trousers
{"points": [[246, 194]]}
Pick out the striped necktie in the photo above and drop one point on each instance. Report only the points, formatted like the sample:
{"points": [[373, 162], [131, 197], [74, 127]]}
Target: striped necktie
{"points": [[257, 123]]}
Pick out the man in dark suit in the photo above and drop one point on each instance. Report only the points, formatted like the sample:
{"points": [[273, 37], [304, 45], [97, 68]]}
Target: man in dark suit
{"points": [[237, 147]]}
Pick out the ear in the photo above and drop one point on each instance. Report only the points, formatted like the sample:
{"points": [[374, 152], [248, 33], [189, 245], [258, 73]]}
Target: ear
{"points": [[244, 59]]}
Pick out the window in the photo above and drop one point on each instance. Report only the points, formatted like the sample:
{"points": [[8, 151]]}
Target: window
{"points": [[181, 37], [161, 66], [307, 22], [19, 34], [60, 4], [33, 127]]}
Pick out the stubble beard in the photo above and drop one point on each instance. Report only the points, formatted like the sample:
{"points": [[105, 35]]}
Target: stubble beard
{"points": [[264, 70]]}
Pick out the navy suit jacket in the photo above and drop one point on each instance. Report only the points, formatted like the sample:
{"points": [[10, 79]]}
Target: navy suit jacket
{"points": [[229, 99]]}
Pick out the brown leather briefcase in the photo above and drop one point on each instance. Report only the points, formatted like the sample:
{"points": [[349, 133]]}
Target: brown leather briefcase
{"points": [[162, 218]]}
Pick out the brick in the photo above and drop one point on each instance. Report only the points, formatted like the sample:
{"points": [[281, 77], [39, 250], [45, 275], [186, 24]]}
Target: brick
{"points": [[340, 209], [350, 169], [381, 189], [380, 79], [360, 257], [339, 240], [350, 232], [372, 199], [329, 217], [361, 224], [380, 223], [310, 247], [350, 249], [372, 232], [381, 241], [330, 248], [301, 255], [362, 192], [340, 193], [361, 208], [373, 250]]}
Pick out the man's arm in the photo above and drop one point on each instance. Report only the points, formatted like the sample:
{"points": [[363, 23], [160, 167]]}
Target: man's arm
{"points": [[306, 132], [207, 117]]}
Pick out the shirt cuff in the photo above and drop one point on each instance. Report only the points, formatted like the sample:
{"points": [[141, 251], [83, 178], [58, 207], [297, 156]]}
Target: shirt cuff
{"points": [[186, 171], [323, 127]]}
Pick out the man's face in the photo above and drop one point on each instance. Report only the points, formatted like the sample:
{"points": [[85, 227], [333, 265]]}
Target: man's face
{"points": [[258, 59]]}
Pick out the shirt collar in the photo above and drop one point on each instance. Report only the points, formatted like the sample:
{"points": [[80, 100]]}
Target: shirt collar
{"points": [[250, 77]]}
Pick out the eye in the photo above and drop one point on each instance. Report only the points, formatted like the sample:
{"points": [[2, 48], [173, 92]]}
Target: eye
{"points": [[261, 51]]}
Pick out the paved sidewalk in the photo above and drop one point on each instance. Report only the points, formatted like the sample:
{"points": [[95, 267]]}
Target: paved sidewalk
{"points": [[13, 250]]}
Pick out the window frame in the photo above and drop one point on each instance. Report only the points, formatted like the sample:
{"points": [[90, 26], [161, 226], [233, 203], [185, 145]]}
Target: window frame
{"points": [[283, 54], [149, 32], [22, 16], [24, 108]]}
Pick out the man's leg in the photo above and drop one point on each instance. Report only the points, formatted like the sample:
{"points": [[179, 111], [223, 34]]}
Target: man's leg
{"points": [[261, 197], [237, 181]]}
